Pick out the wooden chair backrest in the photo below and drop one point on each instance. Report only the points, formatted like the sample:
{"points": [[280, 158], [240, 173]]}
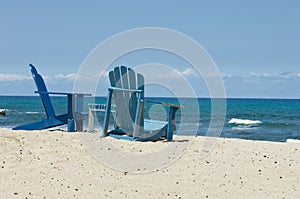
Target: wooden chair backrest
{"points": [[41, 87], [126, 102]]}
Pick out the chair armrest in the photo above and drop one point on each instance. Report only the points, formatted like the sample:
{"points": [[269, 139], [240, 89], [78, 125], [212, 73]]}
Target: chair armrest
{"points": [[59, 93], [165, 104]]}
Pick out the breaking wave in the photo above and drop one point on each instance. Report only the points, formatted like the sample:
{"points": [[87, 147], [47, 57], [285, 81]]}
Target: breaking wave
{"points": [[293, 140], [244, 122], [30, 113]]}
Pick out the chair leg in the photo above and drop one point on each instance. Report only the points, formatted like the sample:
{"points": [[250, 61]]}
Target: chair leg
{"points": [[137, 122], [91, 121], [171, 123], [79, 108], [71, 123], [79, 125], [107, 113]]}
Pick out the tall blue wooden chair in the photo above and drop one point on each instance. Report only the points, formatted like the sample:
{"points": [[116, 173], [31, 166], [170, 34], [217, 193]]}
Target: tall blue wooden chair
{"points": [[74, 117], [127, 91]]}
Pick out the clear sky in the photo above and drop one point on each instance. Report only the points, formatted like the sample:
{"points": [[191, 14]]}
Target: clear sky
{"points": [[255, 44]]}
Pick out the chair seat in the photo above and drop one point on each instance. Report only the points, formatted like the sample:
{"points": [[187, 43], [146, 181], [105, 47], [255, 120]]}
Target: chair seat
{"points": [[153, 125]]}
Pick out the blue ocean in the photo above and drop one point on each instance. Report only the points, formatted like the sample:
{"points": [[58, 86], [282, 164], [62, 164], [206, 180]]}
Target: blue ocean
{"points": [[253, 119]]}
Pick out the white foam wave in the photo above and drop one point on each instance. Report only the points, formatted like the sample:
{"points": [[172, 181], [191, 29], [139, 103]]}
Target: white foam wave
{"points": [[243, 121], [293, 140], [243, 128], [29, 112]]}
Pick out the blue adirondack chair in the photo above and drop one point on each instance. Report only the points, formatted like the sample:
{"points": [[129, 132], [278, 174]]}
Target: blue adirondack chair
{"points": [[127, 91], [74, 118]]}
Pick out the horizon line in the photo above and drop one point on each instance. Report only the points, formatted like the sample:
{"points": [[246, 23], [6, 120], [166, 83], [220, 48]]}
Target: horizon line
{"points": [[290, 98]]}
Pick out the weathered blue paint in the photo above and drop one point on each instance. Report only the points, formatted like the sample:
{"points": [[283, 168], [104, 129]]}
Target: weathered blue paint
{"points": [[73, 118], [127, 91]]}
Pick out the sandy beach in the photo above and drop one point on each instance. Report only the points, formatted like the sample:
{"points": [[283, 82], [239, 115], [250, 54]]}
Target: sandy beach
{"points": [[44, 164]]}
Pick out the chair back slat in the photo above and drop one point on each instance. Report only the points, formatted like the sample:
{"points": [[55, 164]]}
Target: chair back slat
{"points": [[140, 83], [133, 98], [112, 78], [140, 86], [118, 80], [128, 122], [41, 87]]}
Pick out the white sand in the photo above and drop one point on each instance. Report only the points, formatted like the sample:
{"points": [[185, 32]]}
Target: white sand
{"points": [[43, 164]]}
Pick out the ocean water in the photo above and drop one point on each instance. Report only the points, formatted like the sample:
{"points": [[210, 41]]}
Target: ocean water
{"points": [[254, 119]]}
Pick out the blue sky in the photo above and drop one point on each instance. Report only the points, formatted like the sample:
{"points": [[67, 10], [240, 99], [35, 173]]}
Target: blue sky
{"points": [[255, 44]]}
